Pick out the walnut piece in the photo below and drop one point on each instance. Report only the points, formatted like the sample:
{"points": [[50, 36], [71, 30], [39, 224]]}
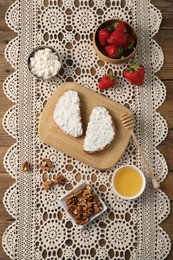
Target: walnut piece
{"points": [[82, 204], [25, 166], [45, 164], [60, 179], [47, 184]]}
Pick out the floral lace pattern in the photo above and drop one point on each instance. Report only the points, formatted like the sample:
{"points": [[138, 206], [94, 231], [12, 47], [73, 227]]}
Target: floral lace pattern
{"points": [[42, 230]]}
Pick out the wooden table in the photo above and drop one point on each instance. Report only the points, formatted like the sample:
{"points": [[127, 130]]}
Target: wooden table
{"points": [[165, 40]]}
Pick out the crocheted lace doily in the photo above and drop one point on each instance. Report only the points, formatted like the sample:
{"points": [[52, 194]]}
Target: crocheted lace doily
{"points": [[42, 230]]}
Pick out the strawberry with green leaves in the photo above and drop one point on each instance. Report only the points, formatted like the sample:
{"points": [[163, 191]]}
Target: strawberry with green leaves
{"points": [[117, 37], [113, 51], [121, 27], [135, 74], [107, 81], [130, 43], [103, 35]]}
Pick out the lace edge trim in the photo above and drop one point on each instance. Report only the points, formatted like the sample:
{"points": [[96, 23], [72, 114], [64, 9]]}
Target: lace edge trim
{"points": [[9, 251], [168, 245], [10, 210], [12, 173], [165, 128], [161, 101], [159, 68], [9, 131], [159, 16], [11, 61], [12, 27], [11, 226]]}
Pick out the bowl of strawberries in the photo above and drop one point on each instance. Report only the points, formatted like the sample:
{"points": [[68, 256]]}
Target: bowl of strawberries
{"points": [[115, 41]]}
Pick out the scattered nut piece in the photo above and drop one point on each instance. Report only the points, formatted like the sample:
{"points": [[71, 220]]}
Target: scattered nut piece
{"points": [[60, 179], [45, 164], [47, 184], [25, 166], [82, 204]]}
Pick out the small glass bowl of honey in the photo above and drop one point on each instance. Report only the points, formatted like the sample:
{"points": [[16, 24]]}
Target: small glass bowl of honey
{"points": [[128, 182]]}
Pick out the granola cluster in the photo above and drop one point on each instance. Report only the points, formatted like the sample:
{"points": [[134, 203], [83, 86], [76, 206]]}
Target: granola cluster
{"points": [[83, 204]]}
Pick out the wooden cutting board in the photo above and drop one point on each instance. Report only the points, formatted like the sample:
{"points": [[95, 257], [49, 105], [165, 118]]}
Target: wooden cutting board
{"points": [[52, 135]]}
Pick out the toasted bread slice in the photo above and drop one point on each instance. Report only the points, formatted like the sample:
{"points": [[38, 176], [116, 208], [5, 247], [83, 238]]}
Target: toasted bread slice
{"points": [[67, 114], [100, 130]]}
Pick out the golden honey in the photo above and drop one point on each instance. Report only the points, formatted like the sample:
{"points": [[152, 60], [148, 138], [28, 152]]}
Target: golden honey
{"points": [[127, 181]]}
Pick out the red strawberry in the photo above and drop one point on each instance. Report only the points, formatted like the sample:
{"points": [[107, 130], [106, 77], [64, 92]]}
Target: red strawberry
{"points": [[103, 35], [130, 43], [113, 51], [135, 74], [121, 27], [117, 37], [107, 81]]}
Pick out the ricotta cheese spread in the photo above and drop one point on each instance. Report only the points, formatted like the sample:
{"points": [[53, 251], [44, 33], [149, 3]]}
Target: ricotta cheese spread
{"points": [[67, 113], [100, 130], [44, 63]]}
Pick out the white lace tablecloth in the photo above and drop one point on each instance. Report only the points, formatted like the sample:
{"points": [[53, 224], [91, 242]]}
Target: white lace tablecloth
{"points": [[42, 230]]}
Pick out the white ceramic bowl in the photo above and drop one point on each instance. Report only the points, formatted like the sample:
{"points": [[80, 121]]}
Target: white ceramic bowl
{"points": [[62, 202], [143, 182]]}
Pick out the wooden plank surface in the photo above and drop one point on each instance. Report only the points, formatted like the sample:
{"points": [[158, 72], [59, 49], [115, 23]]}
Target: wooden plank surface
{"points": [[165, 39]]}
